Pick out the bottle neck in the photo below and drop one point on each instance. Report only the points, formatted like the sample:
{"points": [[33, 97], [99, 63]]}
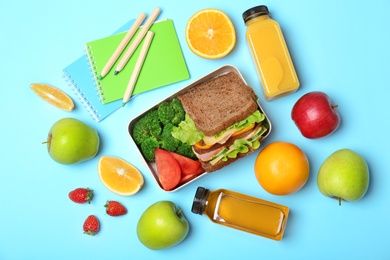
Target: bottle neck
{"points": [[200, 201], [256, 18]]}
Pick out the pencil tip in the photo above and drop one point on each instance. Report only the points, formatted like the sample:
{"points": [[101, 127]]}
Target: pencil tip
{"points": [[124, 104], [100, 77], [116, 72]]}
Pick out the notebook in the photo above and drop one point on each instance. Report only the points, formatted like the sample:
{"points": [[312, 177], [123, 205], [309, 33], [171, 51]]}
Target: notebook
{"points": [[79, 78], [164, 63]]}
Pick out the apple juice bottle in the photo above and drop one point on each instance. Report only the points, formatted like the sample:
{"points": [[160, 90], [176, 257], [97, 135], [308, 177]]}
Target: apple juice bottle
{"points": [[270, 53], [242, 212]]}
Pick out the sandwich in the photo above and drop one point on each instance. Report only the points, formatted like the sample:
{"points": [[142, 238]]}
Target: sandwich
{"points": [[223, 121]]}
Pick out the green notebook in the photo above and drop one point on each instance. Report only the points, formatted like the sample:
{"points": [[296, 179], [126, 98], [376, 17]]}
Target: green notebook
{"points": [[164, 63]]}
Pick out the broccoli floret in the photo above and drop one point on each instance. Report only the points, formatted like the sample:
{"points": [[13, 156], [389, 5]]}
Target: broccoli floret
{"points": [[147, 126], [165, 112], [186, 150], [171, 112], [179, 111], [154, 130], [148, 148], [168, 142]]}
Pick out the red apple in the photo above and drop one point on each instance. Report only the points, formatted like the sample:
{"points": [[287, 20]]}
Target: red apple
{"points": [[315, 116]]}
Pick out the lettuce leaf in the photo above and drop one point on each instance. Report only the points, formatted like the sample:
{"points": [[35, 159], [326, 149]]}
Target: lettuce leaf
{"points": [[256, 117], [239, 146], [186, 132]]}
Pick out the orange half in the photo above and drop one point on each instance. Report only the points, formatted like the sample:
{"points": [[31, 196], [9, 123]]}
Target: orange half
{"points": [[210, 34], [53, 96], [119, 176]]}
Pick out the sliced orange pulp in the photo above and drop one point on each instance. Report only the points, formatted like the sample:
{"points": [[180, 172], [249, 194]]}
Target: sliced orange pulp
{"points": [[210, 34], [53, 95], [119, 176]]}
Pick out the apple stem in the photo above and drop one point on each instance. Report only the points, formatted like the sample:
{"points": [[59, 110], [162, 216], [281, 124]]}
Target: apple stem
{"points": [[335, 106], [339, 201], [45, 142]]}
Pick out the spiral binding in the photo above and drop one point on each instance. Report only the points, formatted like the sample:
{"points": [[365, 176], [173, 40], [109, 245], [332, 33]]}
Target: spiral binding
{"points": [[80, 96], [94, 73]]}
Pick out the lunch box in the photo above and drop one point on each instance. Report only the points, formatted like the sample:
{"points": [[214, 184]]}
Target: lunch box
{"points": [[218, 72]]}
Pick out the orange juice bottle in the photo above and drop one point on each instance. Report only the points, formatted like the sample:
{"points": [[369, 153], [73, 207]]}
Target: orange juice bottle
{"points": [[242, 212], [270, 53]]}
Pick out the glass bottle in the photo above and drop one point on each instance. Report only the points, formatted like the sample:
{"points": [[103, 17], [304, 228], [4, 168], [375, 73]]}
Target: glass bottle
{"points": [[242, 212], [270, 53]]}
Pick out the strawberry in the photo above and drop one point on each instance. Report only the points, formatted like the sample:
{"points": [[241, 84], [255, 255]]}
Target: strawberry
{"points": [[114, 208], [81, 195], [91, 225]]}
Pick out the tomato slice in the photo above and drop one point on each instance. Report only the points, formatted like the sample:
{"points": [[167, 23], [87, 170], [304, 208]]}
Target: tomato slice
{"points": [[202, 145], [244, 130], [168, 169]]}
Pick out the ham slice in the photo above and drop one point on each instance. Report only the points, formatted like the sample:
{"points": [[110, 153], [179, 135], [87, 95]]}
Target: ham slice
{"points": [[207, 156]]}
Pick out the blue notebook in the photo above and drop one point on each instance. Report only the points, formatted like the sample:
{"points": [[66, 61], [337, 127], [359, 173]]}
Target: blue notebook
{"points": [[79, 77]]}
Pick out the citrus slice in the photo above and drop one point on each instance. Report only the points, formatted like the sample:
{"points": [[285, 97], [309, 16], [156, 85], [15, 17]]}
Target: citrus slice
{"points": [[210, 34], [119, 176], [53, 95]]}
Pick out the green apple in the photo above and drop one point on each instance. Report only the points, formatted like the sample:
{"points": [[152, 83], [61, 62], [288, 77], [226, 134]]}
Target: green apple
{"points": [[344, 175], [71, 141], [162, 225]]}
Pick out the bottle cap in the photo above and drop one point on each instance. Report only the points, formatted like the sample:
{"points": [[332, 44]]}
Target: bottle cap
{"points": [[254, 12], [199, 203]]}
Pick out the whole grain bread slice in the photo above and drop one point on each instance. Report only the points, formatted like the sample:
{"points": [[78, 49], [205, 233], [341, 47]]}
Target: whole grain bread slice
{"points": [[219, 103]]}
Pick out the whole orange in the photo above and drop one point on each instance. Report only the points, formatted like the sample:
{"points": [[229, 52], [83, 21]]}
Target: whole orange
{"points": [[281, 168]]}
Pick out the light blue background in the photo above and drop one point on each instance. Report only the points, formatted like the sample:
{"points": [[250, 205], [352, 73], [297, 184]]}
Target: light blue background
{"points": [[339, 47]]}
